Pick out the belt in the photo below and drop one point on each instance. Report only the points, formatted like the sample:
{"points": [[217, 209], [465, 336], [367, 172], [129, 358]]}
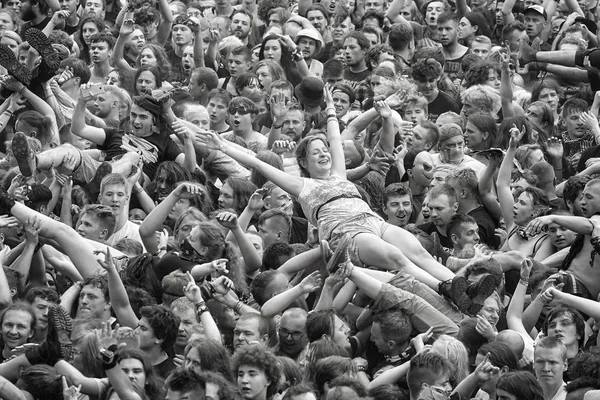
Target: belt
{"points": [[334, 198]]}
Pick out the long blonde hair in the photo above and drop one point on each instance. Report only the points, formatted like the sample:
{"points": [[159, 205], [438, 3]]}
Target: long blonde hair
{"points": [[456, 353]]}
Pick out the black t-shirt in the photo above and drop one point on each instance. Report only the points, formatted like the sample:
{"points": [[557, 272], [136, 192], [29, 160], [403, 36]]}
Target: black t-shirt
{"points": [[39, 26], [445, 241], [442, 103], [178, 73], [592, 152], [353, 79], [165, 368], [487, 226], [452, 67], [153, 149]]}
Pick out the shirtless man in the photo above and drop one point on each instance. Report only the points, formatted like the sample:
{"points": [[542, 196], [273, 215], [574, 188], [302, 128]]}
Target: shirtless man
{"points": [[584, 264]]}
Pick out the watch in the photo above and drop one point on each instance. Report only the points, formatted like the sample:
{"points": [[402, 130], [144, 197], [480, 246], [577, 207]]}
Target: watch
{"points": [[107, 357]]}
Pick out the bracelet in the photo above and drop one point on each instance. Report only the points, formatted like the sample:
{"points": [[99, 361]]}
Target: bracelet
{"points": [[361, 368], [331, 116], [9, 112], [201, 308], [138, 191], [330, 111], [238, 307], [524, 282], [275, 126]]}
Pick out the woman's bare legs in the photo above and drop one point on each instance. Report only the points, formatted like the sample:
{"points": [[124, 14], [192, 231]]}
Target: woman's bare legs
{"points": [[78, 249], [372, 250], [414, 251]]}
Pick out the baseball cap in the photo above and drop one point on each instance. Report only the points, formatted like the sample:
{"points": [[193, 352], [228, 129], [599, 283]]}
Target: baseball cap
{"points": [[537, 9]]}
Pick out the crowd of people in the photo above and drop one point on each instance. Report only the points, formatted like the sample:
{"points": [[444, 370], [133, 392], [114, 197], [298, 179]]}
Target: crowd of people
{"points": [[299, 200]]}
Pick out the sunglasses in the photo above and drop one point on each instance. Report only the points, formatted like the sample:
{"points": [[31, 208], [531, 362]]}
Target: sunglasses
{"points": [[241, 110]]}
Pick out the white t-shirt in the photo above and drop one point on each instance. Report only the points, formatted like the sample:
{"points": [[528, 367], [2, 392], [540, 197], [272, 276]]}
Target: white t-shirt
{"points": [[129, 230]]}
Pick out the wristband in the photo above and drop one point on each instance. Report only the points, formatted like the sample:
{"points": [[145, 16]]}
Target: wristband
{"points": [[201, 308], [524, 282], [275, 126]]}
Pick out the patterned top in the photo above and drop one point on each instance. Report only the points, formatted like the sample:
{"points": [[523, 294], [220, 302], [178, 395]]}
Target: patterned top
{"points": [[316, 196]]}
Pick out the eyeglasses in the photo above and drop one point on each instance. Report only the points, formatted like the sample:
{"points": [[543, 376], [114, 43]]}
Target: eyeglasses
{"points": [[284, 333], [241, 110]]}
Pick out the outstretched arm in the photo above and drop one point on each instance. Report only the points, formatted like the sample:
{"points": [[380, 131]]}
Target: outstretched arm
{"points": [[118, 295], [504, 175], [164, 29], [80, 128], [338, 161], [127, 29], [291, 184], [279, 303]]}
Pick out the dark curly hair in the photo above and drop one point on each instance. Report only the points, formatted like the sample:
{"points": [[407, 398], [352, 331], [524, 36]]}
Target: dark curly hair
{"points": [[479, 73], [425, 69], [262, 358], [163, 322], [264, 6]]}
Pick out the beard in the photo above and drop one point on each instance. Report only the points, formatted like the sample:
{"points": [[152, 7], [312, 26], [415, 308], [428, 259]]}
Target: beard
{"points": [[27, 14]]}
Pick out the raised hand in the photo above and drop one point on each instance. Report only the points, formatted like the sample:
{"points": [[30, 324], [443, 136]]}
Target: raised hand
{"points": [[311, 283], [287, 41], [538, 225], [107, 336], [182, 130], [515, 136], [187, 190], [526, 267], [222, 285], [278, 103], [553, 292], [163, 239], [32, 228], [379, 163], [16, 182], [192, 291], [327, 91], [219, 266], [485, 370], [15, 102], [210, 140], [383, 109], [8, 222], [64, 76], [256, 201], [589, 120], [283, 146], [127, 27], [107, 263], [227, 220], [395, 100], [502, 235], [418, 342], [59, 17], [11, 83], [70, 392]]}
